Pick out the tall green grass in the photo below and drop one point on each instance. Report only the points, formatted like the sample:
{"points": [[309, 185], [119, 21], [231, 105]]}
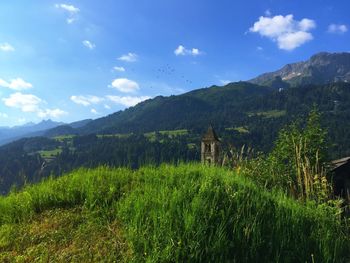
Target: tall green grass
{"points": [[99, 187], [202, 214], [191, 213]]}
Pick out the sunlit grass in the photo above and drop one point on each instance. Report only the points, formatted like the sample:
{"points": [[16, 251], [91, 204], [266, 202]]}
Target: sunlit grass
{"points": [[240, 129], [116, 135], [170, 133], [268, 114], [185, 213], [63, 138], [50, 153], [63, 235]]}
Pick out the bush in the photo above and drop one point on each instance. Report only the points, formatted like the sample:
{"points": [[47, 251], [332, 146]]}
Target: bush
{"points": [[296, 164]]}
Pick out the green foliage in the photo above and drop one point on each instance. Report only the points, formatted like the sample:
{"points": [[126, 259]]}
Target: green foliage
{"points": [[269, 114], [298, 157], [212, 215], [296, 164], [240, 129], [18, 166], [188, 213], [49, 154], [91, 188]]}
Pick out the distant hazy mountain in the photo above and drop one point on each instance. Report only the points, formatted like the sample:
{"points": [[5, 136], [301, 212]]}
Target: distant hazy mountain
{"points": [[78, 124], [8, 134], [66, 129], [321, 68]]}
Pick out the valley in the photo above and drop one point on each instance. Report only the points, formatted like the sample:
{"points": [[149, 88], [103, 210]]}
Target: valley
{"points": [[129, 186]]}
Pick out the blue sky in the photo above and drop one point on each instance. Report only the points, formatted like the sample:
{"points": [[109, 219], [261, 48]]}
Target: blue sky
{"points": [[71, 60]]}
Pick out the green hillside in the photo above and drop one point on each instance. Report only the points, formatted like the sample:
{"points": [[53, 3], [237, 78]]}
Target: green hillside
{"points": [[185, 213], [168, 129]]}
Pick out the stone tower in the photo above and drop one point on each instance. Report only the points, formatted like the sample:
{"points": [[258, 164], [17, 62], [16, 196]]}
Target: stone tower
{"points": [[210, 147]]}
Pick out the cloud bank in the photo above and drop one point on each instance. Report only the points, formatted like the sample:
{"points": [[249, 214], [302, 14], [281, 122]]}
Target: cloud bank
{"points": [[287, 32], [125, 85], [16, 84], [182, 51], [337, 29]]}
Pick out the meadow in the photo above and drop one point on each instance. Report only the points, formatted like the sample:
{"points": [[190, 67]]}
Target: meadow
{"points": [[172, 213]]}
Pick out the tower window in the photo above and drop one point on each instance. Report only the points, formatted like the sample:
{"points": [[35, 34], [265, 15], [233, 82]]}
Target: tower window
{"points": [[208, 147]]}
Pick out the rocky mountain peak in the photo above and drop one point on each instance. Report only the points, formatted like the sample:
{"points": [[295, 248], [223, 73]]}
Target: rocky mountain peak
{"points": [[321, 68]]}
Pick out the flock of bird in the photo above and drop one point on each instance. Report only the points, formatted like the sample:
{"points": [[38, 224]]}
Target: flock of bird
{"points": [[168, 70]]}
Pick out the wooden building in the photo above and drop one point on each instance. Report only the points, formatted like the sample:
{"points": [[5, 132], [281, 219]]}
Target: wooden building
{"points": [[341, 177]]}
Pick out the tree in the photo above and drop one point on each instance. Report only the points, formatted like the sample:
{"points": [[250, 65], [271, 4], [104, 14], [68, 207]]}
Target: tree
{"points": [[297, 160]]}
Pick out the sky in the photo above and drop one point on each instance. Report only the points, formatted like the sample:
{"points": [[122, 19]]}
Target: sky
{"points": [[73, 60]]}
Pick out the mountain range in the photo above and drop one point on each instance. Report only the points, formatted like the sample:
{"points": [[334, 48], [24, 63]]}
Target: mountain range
{"points": [[10, 134], [321, 68], [168, 129], [185, 110]]}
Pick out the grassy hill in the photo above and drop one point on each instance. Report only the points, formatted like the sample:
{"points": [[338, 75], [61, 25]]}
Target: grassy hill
{"points": [[168, 129], [185, 213]]}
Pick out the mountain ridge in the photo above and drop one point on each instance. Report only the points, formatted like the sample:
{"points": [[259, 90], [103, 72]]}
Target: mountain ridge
{"points": [[10, 134], [321, 68]]}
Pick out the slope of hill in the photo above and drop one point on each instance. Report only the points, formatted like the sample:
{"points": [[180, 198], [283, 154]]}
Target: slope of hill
{"points": [[47, 128], [322, 68], [175, 112], [188, 213], [243, 114], [8, 134]]}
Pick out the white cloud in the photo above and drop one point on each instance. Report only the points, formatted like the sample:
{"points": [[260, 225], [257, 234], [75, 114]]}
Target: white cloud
{"points": [[107, 107], [127, 101], [258, 48], [119, 69], [268, 12], [6, 47], [182, 51], [48, 113], [337, 29], [287, 32], [21, 120], [31, 103], [93, 111], [125, 85], [71, 10], [225, 81], [3, 115], [195, 51], [86, 100], [25, 102], [71, 20], [16, 84], [89, 44], [293, 40], [130, 57]]}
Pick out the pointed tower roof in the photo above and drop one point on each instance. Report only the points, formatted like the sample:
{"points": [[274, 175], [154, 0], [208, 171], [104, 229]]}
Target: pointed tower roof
{"points": [[210, 135]]}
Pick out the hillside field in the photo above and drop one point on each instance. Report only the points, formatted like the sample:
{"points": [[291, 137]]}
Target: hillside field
{"points": [[184, 213]]}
